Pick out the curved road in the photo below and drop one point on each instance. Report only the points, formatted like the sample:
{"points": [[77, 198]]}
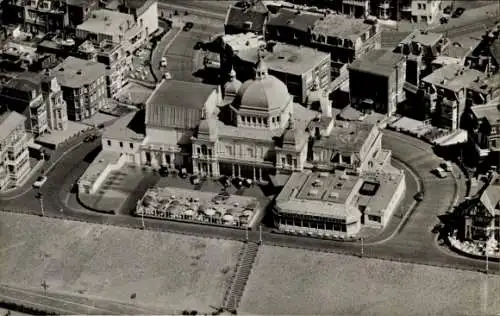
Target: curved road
{"points": [[414, 243]]}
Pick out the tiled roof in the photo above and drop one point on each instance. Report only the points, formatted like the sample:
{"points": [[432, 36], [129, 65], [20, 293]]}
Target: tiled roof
{"points": [[177, 104], [289, 18], [257, 14]]}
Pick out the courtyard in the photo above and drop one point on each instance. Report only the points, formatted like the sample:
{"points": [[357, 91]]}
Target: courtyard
{"points": [[200, 207]]}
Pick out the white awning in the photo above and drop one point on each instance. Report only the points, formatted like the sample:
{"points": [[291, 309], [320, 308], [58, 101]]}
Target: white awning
{"points": [[457, 137]]}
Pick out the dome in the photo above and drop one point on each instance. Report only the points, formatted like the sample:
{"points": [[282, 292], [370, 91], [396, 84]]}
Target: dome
{"points": [[231, 87], [268, 93]]}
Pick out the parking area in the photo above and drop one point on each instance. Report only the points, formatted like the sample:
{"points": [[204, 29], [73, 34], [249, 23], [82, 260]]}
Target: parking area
{"points": [[183, 60]]}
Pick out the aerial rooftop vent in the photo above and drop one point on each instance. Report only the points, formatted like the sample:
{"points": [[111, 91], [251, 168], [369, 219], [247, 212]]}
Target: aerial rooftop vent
{"points": [[79, 72]]}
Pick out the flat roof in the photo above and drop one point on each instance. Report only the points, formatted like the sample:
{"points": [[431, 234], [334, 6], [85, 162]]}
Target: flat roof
{"points": [[346, 136], [320, 194], [378, 62], [422, 37], [107, 22], [25, 81], [129, 127], [75, 72], [388, 181], [103, 159], [9, 121], [286, 58], [341, 26], [453, 77]]}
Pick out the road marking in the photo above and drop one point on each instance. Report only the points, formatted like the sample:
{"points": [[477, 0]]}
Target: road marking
{"points": [[28, 189], [48, 297], [44, 307]]}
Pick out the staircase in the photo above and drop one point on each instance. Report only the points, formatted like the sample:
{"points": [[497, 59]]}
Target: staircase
{"points": [[240, 278]]}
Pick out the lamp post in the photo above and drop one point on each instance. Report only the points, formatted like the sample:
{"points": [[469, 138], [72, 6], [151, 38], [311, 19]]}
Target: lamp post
{"points": [[142, 219], [362, 246], [41, 204], [260, 234], [246, 234]]}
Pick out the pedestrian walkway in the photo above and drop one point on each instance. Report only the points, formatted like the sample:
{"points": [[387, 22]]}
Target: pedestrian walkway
{"points": [[244, 267], [56, 138]]}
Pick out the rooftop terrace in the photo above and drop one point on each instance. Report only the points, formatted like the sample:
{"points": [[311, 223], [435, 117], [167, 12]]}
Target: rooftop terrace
{"points": [[341, 26], [107, 22], [424, 38], [287, 58], [75, 72], [453, 77]]}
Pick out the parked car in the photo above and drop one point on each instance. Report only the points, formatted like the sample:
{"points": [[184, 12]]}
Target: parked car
{"points": [[163, 62], [237, 182], [443, 20], [167, 76], [183, 174], [188, 26], [39, 182], [195, 180], [163, 171], [458, 12], [440, 172], [225, 181], [446, 165], [447, 10], [419, 196], [90, 138]]}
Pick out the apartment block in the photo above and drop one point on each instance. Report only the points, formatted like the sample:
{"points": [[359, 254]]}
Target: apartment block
{"points": [[23, 94], [443, 94], [57, 116], [344, 38], [83, 85], [14, 156], [36, 16], [385, 72]]}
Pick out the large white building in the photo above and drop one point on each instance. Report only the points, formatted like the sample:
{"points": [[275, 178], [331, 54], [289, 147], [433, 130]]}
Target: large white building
{"points": [[255, 131], [14, 156]]}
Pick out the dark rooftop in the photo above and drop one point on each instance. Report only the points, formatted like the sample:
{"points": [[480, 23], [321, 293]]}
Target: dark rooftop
{"points": [[240, 13], [378, 62], [291, 19]]}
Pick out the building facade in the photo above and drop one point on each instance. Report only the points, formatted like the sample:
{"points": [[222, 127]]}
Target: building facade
{"points": [[36, 16], [83, 85], [145, 13], [14, 156], [23, 94], [116, 27], [344, 38], [79, 11], [386, 73], [426, 11], [57, 116], [443, 94]]}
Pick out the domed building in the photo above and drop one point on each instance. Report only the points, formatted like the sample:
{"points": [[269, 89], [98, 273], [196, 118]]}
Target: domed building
{"points": [[251, 128], [263, 102]]}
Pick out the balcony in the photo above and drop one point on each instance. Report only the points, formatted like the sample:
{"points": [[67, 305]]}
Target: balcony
{"points": [[18, 143]]}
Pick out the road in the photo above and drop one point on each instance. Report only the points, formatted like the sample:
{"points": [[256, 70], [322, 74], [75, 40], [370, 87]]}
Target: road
{"points": [[414, 242], [183, 60], [68, 304], [215, 9]]}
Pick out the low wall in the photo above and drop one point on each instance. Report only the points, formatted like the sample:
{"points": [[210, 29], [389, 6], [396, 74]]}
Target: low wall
{"points": [[470, 255], [104, 174]]}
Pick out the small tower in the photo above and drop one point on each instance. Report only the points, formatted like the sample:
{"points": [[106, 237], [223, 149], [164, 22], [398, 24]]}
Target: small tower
{"points": [[261, 68], [291, 123]]}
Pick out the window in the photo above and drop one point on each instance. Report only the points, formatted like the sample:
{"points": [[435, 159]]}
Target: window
{"points": [[229, 150], [283, 160], [250, 152], [198, 150], [374, 218], [254, 120], [204, 149], [121, 144], [109, 143], [131, 146]]}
